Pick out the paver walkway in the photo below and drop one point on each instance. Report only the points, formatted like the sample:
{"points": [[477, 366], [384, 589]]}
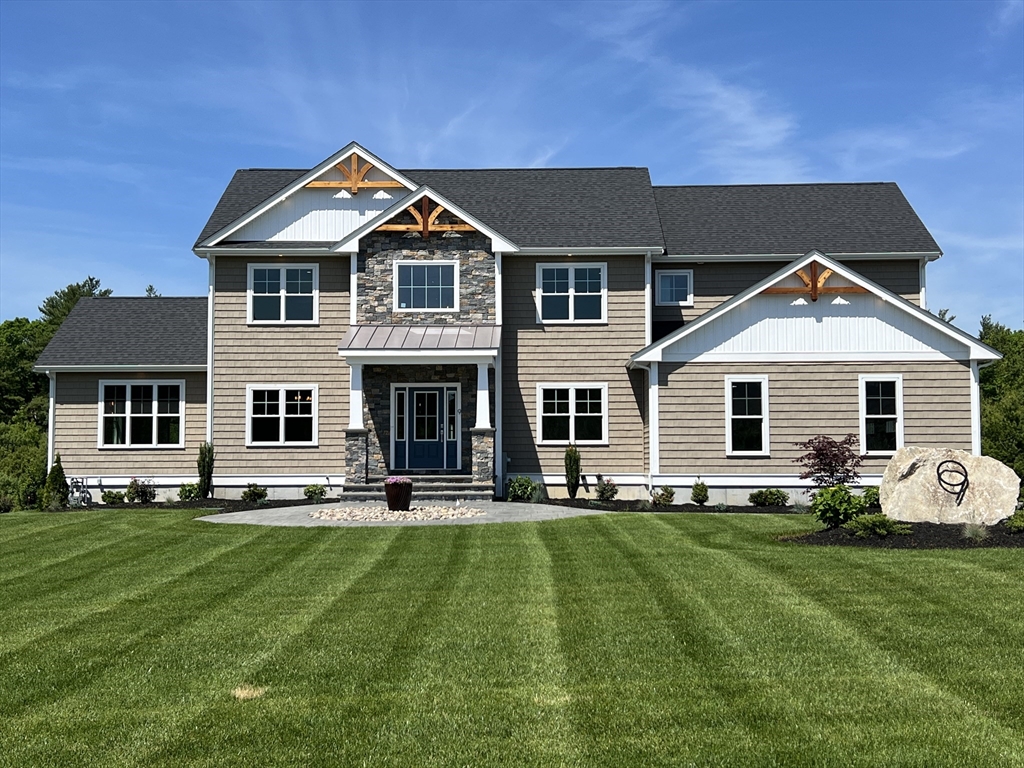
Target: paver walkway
{"points": [[494, 512]]}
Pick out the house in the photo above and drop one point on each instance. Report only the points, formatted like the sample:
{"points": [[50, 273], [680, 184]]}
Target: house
{"points": [[363, 320]]}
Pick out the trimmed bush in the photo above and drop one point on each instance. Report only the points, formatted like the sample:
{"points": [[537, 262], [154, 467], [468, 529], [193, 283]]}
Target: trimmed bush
{"points": [[315, 493], [864, 526], [113, 497], [837, 505], [870, 496], [572, 470], [606, 489], [520, 489], [141, 491], [721, 507], [55, 489], [664, 497], [205, 466], [769, 497], [189, 492], [254, 494], [699, 493]]}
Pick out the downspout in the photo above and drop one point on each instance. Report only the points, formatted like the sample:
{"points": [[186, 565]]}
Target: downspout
{"points": [[648, 311], [50, 425], [209, 347], [923, 280]]}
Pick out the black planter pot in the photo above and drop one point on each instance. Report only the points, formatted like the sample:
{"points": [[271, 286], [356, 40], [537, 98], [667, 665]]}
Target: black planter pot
{"points": [[399, 495]]}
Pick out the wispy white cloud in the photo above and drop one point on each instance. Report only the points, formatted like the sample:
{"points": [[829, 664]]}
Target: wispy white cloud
{"points": [[1008, 16], [865, 152]]}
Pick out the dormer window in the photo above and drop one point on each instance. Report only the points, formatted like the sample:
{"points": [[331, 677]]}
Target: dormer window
{"points": [[426, 286], [284, 295]]}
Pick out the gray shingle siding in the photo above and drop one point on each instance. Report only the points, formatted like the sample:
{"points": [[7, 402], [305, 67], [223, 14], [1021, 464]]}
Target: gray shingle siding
{"points": [[130, 331]]}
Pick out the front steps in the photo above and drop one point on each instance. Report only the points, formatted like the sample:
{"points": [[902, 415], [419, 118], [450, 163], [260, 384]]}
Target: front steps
{"points": [[426, 489]]}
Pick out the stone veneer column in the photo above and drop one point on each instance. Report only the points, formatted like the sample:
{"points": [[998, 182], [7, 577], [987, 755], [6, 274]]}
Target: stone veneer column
{"points": [[357, 468], [483, 455]]}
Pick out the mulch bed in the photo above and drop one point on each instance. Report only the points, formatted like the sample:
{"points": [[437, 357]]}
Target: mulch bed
{"points": [[220, 505], [637, 505], [922, 536]]}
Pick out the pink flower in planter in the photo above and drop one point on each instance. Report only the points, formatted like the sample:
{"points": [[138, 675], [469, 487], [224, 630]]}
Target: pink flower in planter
{"points": [[397, 480]]}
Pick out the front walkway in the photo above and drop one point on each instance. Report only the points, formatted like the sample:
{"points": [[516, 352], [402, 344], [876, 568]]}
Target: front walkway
{"points": [[494, 512]]}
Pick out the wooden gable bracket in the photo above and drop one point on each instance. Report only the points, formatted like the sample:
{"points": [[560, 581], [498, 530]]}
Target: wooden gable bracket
{"points": [[814, 284], [355, 178], [426, 221]]}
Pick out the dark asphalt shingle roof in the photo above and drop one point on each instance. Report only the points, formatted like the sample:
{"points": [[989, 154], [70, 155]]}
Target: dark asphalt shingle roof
{"points": [[130, 331], [790, 219]]}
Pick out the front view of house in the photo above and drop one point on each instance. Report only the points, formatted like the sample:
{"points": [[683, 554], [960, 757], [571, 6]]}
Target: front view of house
{"points": [[470, 324]]}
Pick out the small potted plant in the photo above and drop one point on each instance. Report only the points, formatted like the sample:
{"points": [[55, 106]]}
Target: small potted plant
{"points": [[398, 491]]}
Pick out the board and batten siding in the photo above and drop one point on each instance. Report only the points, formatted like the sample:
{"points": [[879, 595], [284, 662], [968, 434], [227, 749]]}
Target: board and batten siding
{"points": [[76, 428], [534, 353], [715, 283], [288, 354], [805, 400]]}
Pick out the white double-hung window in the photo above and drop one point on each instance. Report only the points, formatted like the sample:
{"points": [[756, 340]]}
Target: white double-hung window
{"points": [[881, 414], [281, 415], [746, 416], [572, 413], [572, 293], [142, 414], [284, 294]]}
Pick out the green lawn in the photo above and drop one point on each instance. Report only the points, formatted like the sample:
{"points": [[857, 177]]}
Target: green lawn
{"points": [[617, 640]]}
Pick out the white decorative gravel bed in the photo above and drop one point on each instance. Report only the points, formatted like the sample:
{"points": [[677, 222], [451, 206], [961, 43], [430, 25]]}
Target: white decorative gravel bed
{"points": [[383, 514]]}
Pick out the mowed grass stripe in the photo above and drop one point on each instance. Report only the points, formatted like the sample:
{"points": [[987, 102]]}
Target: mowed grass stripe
{"points": [[24, 526], [194, 689], [872, 675]]}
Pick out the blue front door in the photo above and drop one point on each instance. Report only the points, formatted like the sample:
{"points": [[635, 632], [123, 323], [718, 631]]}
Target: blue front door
{"points": [[426, 427]]}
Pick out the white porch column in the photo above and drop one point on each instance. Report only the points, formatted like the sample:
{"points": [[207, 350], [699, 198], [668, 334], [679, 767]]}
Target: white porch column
{"points": [[483, 397], [975, 409], [355, 396], [654, 419]]}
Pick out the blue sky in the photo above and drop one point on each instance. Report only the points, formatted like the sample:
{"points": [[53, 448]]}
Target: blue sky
{"points": [[121, 123]]}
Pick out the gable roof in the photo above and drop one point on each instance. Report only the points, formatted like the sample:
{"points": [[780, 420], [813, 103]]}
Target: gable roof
{"points": [[248, 188], [977, 350], [161, 332], [790, 219]]}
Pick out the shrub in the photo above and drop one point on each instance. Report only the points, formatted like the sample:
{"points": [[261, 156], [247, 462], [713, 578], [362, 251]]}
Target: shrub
{"points": [[519, 489], [664, 497], [606, 489], [55, 489], [113, 497], [540, 494], [837, 505], [769, 497], [8, 494], [315, 493], [829, 463], [254, 494], [572, 470], [189, 492], [870, 496], [1015, 522], [23, 461], [975, 531], [721, 507], [6, 503], [141, 491], [205, 466], [864, 526], [699, 493]]}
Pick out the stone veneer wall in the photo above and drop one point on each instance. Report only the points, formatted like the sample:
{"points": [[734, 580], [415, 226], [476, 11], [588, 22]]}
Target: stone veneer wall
{"points": [[377, 380], [376, 277]]}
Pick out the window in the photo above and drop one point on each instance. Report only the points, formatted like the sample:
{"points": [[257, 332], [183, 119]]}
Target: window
{"points": [[284, 294], [142, 414], [571, 293], [746, 416], [674, 288], [426, 285], [881, 414], [282, 415], [572, 413]]}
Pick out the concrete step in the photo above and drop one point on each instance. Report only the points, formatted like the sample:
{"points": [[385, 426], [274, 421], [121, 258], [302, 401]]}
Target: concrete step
{"points": [[426, 478], [421, 487], [421, 497]]}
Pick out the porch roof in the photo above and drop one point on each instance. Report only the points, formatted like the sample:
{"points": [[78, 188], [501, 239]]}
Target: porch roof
{"points": [[420, 337]]}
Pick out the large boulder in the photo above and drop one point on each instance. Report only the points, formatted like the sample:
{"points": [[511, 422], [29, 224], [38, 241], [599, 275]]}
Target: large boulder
{"points": [[940, 485]]}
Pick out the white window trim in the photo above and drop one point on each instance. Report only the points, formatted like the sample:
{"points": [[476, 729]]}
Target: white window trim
{"points": [[419, 263], [250, 388], [688, 302], [180, 383], [538, 292], [765, 431], [282, 266], [862, 407], [539, 406]]}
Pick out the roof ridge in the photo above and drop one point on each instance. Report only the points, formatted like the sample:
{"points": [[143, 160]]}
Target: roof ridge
{"points": [[781, 184], [542, 168]]}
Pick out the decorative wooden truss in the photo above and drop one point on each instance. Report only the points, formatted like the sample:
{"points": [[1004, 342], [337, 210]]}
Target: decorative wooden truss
{"points": [[426, 220], [814, 284], [355, 177]]}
